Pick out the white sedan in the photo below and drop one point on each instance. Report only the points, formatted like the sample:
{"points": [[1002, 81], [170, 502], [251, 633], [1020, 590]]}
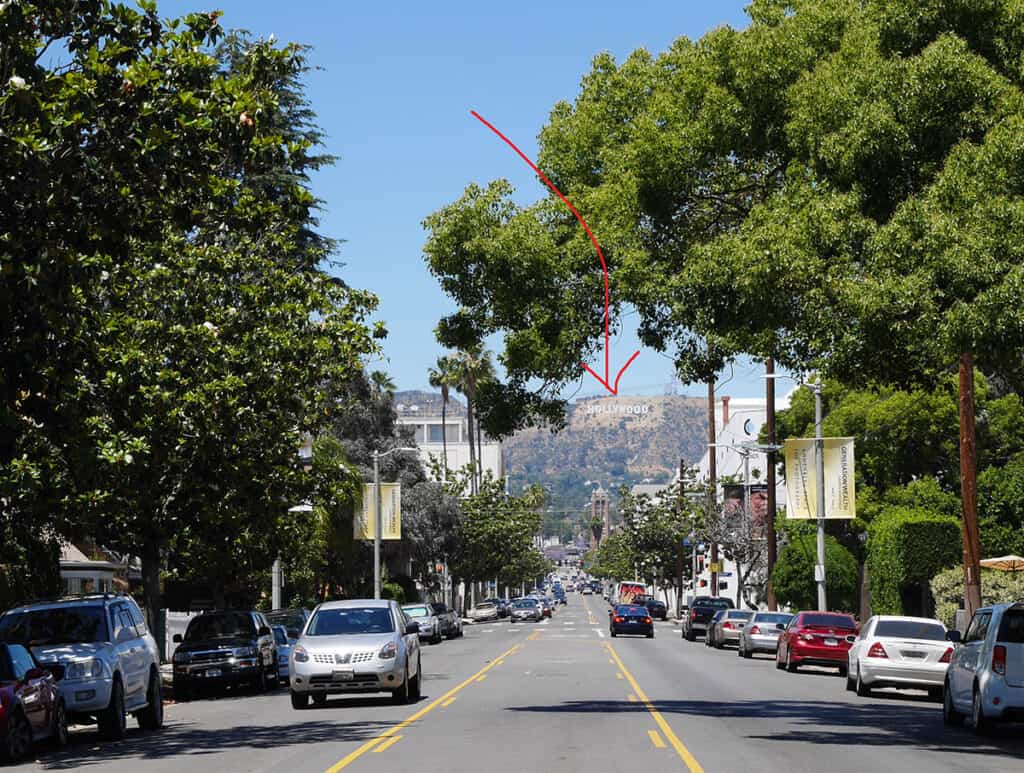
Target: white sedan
{"points": [[903, 652]]}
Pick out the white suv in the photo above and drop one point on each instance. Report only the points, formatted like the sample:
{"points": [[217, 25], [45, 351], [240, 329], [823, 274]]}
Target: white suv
{"points": [[986, 672], [105, 659]]}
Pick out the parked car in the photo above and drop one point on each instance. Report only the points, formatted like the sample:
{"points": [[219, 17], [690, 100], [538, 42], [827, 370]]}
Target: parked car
{"points": [[986, 670], [816, 639], [761, 633], [702, 609], [225, 648], [430, 625], [657, 609], [631, 619], [894, 651], [525, 609], [483, 612], [727, 627], [293, 620], [709, 634], [284, 651], [356, 646], [102, 655], [450, 620], [31, 708], [546, 609], [501, 605]]}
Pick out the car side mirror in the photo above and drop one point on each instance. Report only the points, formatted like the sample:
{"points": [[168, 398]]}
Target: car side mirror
{"points": [[412, 628], [954, 636], [36, 673], [176, 638], [851, 639], [780, 626], [263, 631]]}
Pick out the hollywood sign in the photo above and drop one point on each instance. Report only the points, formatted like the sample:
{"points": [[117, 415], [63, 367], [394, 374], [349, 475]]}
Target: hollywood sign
{"points": [[617, 408]]}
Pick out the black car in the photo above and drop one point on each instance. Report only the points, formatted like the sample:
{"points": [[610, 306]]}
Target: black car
{"points": [[225, 648], [631, 619], [451, 623], [657, 609]]}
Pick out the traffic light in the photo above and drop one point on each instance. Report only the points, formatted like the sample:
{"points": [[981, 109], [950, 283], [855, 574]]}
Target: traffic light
{"points": [[703, 583]]}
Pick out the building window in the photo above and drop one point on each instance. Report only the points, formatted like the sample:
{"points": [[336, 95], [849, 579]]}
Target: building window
{"points": [[436, 435], [421, 431], [452, 430]]}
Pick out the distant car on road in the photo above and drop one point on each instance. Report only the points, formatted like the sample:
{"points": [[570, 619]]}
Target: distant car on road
{"points": [[284, 650], [356, 646], [709, 634], [657, 609], [451, 621], [430, 625], [632, 620], [894, 651], [986, 670], [761, 633], [31, 707], [225, 648], [728, 627], [525, 609], [816, 639], [293, 620], [483, 612], [698, 617]]}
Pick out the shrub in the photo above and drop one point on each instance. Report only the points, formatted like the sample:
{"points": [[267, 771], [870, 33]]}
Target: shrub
{"points": [[392, 590], [793, 576], [997, 587], [906, 548]]}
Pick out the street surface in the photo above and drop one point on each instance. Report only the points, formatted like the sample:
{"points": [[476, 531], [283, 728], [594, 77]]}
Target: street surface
{"points": [[563, 696]]}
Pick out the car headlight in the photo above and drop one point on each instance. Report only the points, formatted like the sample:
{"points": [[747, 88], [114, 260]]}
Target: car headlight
{"points": [[84, 669], [181, 657], [388, 651], [300, 654], [244, 652]]}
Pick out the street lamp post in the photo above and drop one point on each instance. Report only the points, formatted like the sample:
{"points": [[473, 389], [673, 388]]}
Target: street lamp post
{"points": [[378, 516]]}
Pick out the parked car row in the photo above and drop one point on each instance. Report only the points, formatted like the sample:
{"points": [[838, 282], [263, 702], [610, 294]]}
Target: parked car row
{"points": [[978, 675]]}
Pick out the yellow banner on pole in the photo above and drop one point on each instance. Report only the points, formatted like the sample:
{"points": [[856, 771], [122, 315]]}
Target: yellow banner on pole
{"points": [[802, 479], [364, 524]]}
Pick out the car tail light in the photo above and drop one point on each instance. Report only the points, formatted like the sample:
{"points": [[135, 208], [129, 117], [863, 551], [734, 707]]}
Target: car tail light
{"points": [[946, 655], [693, 614], [754, 629], [877, 651], [619, 619], [805, 635], [727, 626], [999, 660], [647, 621]]}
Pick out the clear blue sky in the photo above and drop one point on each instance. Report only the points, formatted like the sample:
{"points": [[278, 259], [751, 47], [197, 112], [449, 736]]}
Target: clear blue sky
{"points": [[397, 83]]}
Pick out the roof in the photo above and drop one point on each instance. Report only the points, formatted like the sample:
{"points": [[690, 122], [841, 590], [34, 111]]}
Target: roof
{"points": [[361, 603]]}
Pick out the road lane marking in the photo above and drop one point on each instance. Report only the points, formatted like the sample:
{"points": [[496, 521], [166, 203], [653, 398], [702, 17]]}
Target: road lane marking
{"points": [[619, 676], [600, 634], [391, 732], [655, 739], [448, 703], [387, 744], [632, 698], [482, 676], [684, 754], [533, 636], [612, 662]]}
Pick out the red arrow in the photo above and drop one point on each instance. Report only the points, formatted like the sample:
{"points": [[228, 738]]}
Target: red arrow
{"points": [[613, 388]]}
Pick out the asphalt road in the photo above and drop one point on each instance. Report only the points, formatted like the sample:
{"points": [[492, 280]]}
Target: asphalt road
{"points": [[563, 696]]}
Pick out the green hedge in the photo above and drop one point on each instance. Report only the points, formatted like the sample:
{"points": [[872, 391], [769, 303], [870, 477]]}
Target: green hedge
{"points": [[997, 587], [793, 576], [907, 547]]}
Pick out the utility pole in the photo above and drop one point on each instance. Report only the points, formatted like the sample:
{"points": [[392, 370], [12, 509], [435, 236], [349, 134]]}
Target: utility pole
{"points": [[681, 557], [712, 479], [376, 525], [969, 489], [819, 452], [769, 368]]}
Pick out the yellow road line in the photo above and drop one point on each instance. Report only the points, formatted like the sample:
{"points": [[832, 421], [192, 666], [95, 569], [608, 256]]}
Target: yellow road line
{"points": [[655, 739], [387, 744], [353, 756], [448, 703], [632, 698], [618, 675], [482, 677], [533, 636], [611, 661], [684, 754]]}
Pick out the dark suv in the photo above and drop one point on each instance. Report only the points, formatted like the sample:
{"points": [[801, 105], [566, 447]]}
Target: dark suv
{"points": [[225, 648]]}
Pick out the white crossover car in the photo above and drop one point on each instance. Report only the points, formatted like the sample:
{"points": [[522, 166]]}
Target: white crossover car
{"points": [[356, 646]]}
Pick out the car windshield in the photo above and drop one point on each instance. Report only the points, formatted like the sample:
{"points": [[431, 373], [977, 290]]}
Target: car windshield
{"points": [[714, 603], [59, 625], [828, 621], [739, 614], [910, 629], [230, 625], [523, 604], [440, 608], [1011, 629], [417, 611], [771, 617], [350, 620], [630, 610]]}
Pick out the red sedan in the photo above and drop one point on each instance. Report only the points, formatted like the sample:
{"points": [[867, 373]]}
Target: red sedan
{"points": [[30, 704], [816, 639]]}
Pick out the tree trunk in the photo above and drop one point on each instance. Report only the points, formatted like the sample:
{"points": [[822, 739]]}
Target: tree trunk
{"points": [[444, 438], [472, 446], [150, 558], [769, 369], [479, 454], [712, 478], [969, 488]]}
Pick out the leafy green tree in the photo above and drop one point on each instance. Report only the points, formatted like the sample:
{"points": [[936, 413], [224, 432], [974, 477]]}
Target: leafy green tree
{"points": [[793, 576]]}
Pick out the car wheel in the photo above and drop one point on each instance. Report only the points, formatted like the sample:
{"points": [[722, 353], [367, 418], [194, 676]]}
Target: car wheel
{"points": [[650, 635], [718, 644], [59, 732], [437, 638], [401, 695], [152, 717], [111, 721], [261, 680], [416, 686], [863, 690], [18, 743], [950, 716], [690, 636], [982, 724], [851, 684], [790, 665], [778, 660], [613, 634], [300, 700], [181, 691]]}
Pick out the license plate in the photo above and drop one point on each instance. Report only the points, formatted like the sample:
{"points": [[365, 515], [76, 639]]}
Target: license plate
{"points": [[913, 654], [212, 672], [632, 622], [832, 642], [343, 676]]}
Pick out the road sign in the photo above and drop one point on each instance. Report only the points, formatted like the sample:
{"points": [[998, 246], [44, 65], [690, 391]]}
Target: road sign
{"points": [[715, 567]]}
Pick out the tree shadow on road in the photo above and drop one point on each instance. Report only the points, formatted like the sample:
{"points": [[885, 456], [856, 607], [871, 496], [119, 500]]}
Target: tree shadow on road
{"points": [[903, 723]]}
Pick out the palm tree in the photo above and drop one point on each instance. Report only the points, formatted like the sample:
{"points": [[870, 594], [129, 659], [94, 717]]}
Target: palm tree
{"points": [[442, 377], [382, 382], [474, 366]]}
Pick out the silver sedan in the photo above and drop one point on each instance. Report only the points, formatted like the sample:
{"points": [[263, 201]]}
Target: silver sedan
{"points": [[761, 633], [356, 646]]}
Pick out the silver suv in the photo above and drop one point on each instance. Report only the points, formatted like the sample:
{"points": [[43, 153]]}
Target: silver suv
{"points": [[102, 654]]}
